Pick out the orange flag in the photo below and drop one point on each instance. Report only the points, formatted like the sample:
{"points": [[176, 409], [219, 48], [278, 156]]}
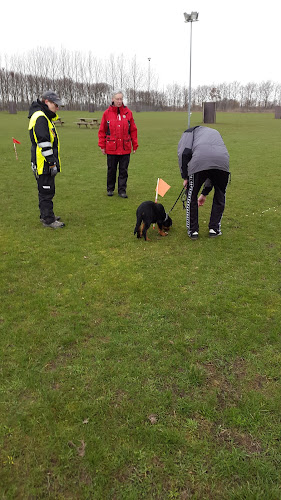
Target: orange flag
{"points": [[162, 187], [15, 141]]}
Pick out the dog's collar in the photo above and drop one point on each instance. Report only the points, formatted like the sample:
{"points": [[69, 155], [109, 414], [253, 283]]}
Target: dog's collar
{"points": [[166, 217]]}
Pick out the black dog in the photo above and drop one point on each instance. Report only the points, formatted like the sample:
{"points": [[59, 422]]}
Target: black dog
{"points": [[150, 213]]}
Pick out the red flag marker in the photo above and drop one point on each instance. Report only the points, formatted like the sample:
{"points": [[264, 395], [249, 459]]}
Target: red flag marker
{"points": [[15, 142]]}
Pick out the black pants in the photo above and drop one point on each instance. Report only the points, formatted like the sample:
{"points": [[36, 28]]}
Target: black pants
{"points": [[112, 164], [46, 193], [219, 180]]}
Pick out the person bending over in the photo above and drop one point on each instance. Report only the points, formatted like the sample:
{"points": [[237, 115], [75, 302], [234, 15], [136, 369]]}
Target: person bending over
{"points": [[203, 155]]}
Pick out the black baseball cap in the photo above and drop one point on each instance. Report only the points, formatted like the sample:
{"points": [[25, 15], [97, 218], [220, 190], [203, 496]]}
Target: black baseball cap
{"points": [[52, 96]]}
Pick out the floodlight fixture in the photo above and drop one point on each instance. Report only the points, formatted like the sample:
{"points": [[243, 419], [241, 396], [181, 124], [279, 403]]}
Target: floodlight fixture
{"points": [[190, 18], [194, 16]]}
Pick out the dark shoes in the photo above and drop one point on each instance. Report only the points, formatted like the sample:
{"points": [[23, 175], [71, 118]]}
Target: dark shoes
{"points": [[213, 233], [122, 195]]}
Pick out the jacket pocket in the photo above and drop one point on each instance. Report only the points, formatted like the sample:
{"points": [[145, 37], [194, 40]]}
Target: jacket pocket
{"points": [[111, 145], [127, 145]]}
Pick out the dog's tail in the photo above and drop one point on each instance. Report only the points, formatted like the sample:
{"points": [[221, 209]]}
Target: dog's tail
{"points": [[138, 223]]}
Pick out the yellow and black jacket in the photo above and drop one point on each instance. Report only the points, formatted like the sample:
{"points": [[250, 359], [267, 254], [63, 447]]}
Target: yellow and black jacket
{"points": [[45, 145]]}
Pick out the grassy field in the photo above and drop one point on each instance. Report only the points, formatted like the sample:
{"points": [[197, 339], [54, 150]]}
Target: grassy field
{"points": [[140, 370]]}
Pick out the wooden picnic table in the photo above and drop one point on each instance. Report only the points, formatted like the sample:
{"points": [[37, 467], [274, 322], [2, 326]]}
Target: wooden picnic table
{"points": [[59, 121], [91, 122]]}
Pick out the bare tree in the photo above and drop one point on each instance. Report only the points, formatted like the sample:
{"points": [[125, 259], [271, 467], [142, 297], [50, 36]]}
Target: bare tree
{"points": [[277, 94], [201, 94], [83, 79], [135, 79], [5, 82], [234, 91], [111, 65], [215, 94], [121, 75], [250, 94], [265, 91]]}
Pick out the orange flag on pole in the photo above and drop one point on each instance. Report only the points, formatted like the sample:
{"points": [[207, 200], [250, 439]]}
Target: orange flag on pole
{"points": [[162, 187]]}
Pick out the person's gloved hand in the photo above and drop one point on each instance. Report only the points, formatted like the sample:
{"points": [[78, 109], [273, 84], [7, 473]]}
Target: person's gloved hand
{"points": [[53, 170]]}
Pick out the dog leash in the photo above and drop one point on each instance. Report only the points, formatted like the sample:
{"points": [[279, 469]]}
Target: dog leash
{"points": [[177, 201]]}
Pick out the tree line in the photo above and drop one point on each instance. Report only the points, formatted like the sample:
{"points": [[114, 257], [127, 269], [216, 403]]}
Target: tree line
{"points": [[86, 82]]}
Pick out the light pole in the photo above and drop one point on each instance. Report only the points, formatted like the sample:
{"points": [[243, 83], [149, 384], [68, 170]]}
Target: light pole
{"points": [[190, 18], [149, 59]]}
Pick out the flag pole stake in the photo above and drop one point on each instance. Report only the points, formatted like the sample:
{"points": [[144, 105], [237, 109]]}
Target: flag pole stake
{"points": [[156, 196], [15, 151]]}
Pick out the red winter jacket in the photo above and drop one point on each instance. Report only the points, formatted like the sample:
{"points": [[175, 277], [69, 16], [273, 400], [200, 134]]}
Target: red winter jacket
{"points": [[118, 131]]}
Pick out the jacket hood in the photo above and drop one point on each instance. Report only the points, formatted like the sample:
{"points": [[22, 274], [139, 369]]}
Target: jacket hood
{"points": [[41, 106]]}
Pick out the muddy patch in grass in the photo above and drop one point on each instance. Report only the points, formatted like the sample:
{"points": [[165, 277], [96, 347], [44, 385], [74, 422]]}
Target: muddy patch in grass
{"points": [[232, 438]]}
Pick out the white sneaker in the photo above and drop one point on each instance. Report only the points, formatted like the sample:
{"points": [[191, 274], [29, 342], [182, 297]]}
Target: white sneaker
{"points": [[214, 234], [54, 225], [194, 235]]}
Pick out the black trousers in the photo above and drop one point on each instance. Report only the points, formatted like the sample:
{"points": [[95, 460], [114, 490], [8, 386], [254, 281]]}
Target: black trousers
{"points": [[46, 193], [112, 164], [219, 179]]}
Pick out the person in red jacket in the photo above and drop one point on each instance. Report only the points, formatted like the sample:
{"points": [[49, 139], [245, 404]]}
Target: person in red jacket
{"points": [[117, 134]]}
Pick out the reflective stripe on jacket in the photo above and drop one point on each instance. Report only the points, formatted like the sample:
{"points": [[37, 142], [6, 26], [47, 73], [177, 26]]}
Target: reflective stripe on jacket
{"points": [[45, 149]]}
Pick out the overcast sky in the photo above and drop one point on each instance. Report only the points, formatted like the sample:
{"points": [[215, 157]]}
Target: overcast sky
{"points": [[232, 41]]}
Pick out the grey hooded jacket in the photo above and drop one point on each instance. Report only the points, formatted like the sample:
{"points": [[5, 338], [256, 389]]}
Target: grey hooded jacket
{"points": [[201, 148]]}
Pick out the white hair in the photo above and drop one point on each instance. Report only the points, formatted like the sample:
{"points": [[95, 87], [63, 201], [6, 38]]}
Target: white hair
{"points": [[117, 92]]}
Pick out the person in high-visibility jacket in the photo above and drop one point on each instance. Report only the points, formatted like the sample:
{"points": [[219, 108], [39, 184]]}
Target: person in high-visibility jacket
{"points": [[45, 153], [117, 134]]}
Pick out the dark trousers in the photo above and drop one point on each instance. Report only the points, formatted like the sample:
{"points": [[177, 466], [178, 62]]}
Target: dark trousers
{"points": [[46, 193], [112, 164], [219, 179]]}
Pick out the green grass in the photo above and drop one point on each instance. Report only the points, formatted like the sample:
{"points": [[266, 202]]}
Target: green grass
{"points": [[131, 369]]}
